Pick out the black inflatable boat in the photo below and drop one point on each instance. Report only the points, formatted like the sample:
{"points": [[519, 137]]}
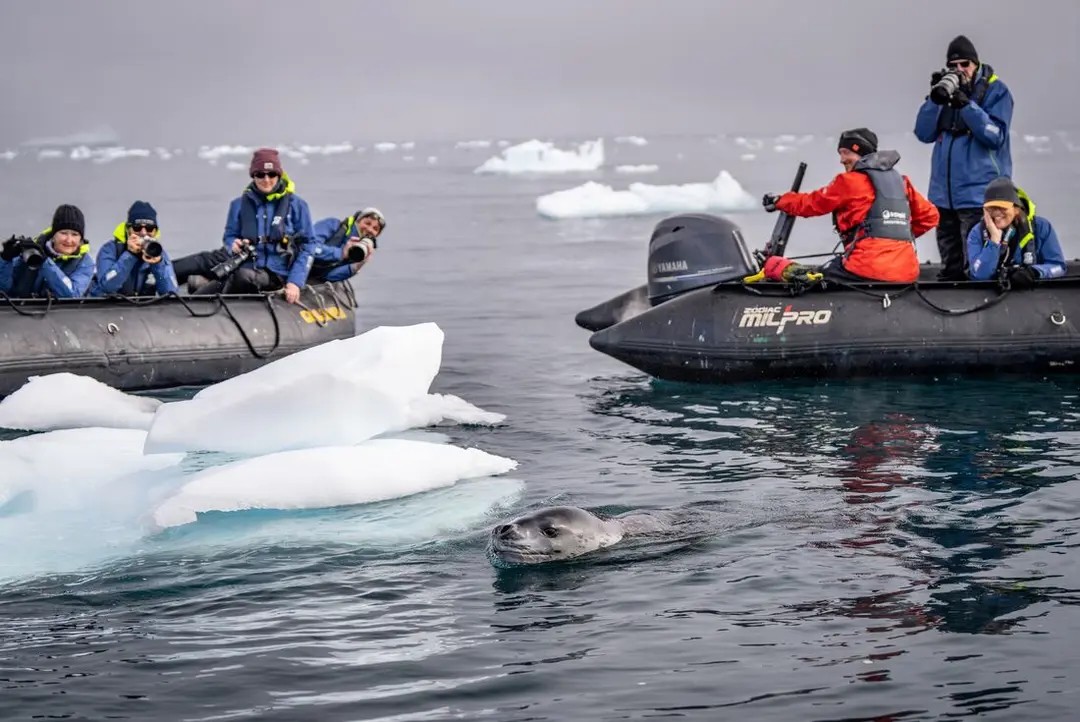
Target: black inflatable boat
{"points": [[696, 320], [162, 342]]}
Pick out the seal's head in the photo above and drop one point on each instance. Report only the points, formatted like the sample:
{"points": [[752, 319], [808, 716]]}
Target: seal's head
{"points": [[551, 534]]}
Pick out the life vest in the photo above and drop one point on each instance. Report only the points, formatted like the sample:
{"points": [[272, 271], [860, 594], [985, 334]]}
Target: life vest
{"points": [[25, 280], [344, 230], [1020, 239], [254, 204], [889, 216], [949, 120], [132, 286]]}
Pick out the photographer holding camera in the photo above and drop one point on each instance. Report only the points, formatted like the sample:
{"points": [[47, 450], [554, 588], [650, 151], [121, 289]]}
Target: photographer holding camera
{"points": [[342, 247], [135, 255], [272, 223], [57, 262], [966, 116]]}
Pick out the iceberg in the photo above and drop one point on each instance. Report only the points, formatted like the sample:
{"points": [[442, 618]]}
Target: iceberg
{"points": [[321, 478], [537, 156], [69, 401], [595, 200]]}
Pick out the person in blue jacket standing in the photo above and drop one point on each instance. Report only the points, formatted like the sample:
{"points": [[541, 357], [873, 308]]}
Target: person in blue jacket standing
{"points": [[342, 247], [968, 122], [135, 255], [274, 224], [1011, 241], [56, 263]]}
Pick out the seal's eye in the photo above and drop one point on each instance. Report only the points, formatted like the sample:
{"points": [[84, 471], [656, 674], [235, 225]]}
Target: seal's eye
{"points": [[550, 532]]}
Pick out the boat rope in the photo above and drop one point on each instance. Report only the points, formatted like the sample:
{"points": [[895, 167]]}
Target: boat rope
{"points": [[11, 302]]}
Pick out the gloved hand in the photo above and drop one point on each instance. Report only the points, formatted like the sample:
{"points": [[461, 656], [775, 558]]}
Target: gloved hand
{"points": [[769, 201], [1021, 277], [10, 248], [959, 99], [935, 77]]}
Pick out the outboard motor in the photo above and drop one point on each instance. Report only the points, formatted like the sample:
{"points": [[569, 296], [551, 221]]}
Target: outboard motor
{"points": [[693, 250]]}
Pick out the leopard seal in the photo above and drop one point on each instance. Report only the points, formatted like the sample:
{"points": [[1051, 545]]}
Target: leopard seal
{"points": [[557, 533]]}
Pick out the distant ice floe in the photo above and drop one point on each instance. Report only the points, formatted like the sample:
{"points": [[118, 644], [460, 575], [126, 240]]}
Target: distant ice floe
{"points": [[106, 154], [432, 159], [631, 140], [216, 152], [593, 200], [1038, 143], [100, 136], [636, 169], [385, 147], [8, 155], [536, 156], [44, 403], [472, 144], [49, 154]]}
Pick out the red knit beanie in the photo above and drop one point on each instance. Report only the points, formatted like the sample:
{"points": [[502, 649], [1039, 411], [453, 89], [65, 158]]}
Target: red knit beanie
{"points": [[265, 159]]}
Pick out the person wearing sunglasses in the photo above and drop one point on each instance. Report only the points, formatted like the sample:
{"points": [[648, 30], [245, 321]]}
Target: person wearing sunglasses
{"points": [[275, 223], [967, 116], [135, 256], [56, 263], [1012, 242], [343, 246]]}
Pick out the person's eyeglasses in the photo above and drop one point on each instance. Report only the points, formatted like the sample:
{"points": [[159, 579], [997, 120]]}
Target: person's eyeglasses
{"points": [[996, 212], [148, 227], [265, 174], [965, 64]]}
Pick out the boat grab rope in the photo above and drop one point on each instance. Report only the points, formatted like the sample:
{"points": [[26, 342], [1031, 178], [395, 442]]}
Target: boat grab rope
{"points": [[11, 302]]}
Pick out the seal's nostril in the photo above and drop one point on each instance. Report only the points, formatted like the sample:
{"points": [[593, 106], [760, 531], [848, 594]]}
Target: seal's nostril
{"points": [[504, 530]]}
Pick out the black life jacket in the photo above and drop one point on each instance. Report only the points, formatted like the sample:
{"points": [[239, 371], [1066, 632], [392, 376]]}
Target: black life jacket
{"points": [[253, 203]]}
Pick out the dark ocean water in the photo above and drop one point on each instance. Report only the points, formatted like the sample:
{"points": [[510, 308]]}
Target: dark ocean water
{"points": [[875, 550]]}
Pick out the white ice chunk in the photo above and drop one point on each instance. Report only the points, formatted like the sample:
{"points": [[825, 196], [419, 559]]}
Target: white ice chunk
{"points": [[68, 401], [536, 156], [597, 200], [213, 153], [385, 147], [340, 392], [436, 408], [636, 169], [327, 477], [472, 144], [631, 140]]}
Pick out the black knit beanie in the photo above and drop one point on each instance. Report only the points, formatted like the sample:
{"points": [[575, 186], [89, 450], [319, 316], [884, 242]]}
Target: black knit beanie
{"points": [[961, 49], [858, 140], [68, 218]]}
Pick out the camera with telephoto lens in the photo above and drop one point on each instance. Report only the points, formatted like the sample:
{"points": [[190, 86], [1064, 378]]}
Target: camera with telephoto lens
{"points": [[227, 267], [31, 253], [946, 87], [152, 249]]}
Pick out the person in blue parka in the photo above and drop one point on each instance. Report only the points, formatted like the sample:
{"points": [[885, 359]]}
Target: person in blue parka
{"points": [[343, 246], [56, 263], [968, 122], [1011, 241], [134, 256], [275, 223]]}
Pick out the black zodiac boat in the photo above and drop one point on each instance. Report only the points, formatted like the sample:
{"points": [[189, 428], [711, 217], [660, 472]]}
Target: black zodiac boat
{"points": [[163, 342], [697, 320]]}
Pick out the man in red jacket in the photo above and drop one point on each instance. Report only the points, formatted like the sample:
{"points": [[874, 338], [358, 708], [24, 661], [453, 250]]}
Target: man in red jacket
{"points": [[876, 211]]}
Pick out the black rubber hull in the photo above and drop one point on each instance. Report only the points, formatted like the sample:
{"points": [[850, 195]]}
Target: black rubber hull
{"points": [[728, 333], [143, 344]]}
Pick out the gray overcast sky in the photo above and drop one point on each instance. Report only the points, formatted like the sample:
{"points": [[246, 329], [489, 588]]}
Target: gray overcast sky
{"points": [[322, 70]]}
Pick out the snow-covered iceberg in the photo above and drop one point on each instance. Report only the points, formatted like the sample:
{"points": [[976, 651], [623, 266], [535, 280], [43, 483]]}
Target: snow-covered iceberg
{"points": [[69, 401], [592, 199], [536, 156]]}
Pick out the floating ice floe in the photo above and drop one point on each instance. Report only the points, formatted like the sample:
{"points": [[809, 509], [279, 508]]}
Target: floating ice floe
{"points": [[385, 147], [332, 149], [536, 156], [49, 154], [631, 140], [472, 144], [70, 401], [597, 200], [371, 384], [636, 169], [214, 153], [374, 471], [432, 160], [8, 155]]}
